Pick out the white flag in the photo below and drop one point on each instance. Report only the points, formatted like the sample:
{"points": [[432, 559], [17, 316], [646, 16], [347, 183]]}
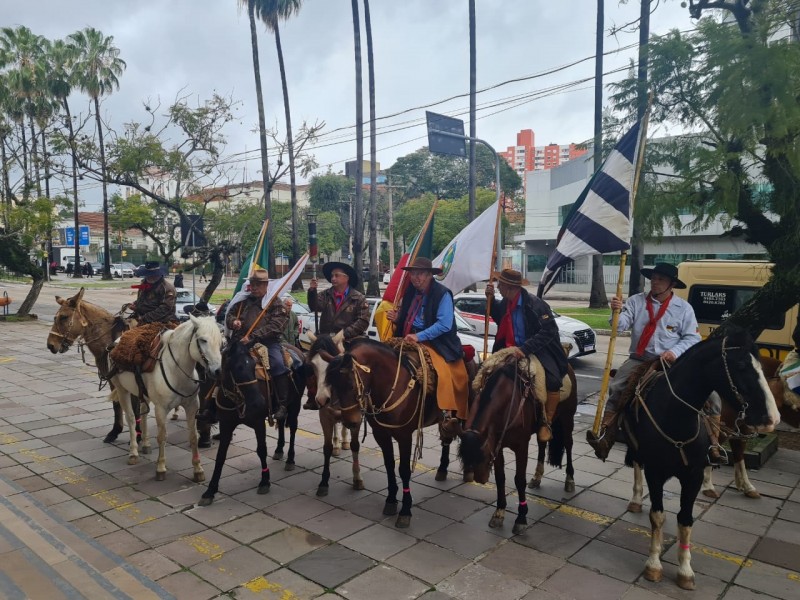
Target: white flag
{"points": [[467, 259], [275, 286]]}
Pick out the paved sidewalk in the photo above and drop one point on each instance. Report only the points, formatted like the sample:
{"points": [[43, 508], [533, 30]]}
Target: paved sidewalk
{"points": [[76, 521]]}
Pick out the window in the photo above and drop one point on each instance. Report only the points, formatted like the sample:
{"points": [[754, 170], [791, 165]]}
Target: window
{"points": [[475, 306], [715, 303], [536, 262], [563, 212]]}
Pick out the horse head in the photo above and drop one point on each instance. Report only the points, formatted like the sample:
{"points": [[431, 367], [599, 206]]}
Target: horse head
{"points": [[68, 324], [207, 347], [324, 348]]}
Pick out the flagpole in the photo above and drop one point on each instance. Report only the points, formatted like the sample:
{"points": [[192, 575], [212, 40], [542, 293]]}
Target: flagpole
{"points": [[601, 401], [276, 295], [492, 269], [422, 233]]}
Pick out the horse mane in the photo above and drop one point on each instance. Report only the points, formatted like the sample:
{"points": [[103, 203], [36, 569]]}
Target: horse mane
{"points": [[323, 343], [502, 362]]}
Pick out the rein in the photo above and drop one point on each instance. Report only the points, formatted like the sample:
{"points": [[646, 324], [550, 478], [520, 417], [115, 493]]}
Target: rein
{"points": [[177, 364]]}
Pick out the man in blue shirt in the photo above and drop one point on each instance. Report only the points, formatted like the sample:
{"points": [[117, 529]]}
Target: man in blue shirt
{"points": [[526, 322], [426, 316]]}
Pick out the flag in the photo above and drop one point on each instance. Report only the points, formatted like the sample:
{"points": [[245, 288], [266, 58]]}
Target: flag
{"points": [[468, 258], [257, 259], [600, 220], [275, 286]]}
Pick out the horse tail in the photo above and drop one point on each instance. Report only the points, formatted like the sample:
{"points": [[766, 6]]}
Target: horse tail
{"points": [[555, 448], [469, 450]]}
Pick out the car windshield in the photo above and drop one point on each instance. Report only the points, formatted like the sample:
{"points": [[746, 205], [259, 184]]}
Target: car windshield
{"points": [[186, 296]]}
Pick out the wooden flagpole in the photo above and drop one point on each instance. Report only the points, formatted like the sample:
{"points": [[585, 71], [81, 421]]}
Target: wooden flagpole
{"points": [[276, 295], [492, 269], [601, 401], [423, 232]]}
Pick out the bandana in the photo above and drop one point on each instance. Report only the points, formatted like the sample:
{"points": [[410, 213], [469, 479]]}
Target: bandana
{"points": [[505, 331], [650, 328]]}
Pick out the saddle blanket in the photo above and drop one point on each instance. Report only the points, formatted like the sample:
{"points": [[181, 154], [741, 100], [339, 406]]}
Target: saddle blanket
{"points": [[530, 368], [139, 347]]}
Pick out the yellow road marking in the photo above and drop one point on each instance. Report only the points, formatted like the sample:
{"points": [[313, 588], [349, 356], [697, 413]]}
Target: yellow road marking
{"points": [[205, 546], [259, 584], [7, 359]]}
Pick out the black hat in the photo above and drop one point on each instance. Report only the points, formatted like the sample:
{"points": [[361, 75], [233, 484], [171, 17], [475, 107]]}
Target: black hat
{"points": [[152, 267], [328, 267], [667, 270]]}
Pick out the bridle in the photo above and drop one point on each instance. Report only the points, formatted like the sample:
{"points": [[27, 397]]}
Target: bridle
{"points": [[189, 376]]}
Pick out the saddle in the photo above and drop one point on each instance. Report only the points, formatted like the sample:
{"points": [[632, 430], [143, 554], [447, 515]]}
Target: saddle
{"points": [[530, 369], [419, 370], [292, 359], [138, 348]]}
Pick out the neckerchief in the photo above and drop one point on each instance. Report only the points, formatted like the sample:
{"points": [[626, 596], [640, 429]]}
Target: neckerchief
{"points": [[505, 331], [339, 298], [415, 307], [650, 328]]}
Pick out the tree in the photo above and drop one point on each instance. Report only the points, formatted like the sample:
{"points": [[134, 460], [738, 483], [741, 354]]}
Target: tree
{"points": [[98, 68], [736, 91], [358, 211]]}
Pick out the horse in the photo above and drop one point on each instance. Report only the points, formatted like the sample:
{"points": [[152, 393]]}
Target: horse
{"points": [[174, 383], [324, 348], [505, 416], [667, 437], [241, 401], [77, 318], [375, 380]]}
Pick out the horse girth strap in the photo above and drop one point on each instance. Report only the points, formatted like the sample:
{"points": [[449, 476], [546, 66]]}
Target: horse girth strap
{"points": [[679, 445]]}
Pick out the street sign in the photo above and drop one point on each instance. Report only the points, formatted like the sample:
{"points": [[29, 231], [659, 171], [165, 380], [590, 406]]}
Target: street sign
{"points": [[69, 235], [451, 145]]}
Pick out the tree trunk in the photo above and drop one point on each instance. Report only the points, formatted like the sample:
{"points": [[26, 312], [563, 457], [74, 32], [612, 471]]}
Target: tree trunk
{"points": [[6, 183], [49, 241], [373, 288], [473, 167], [106, 243], [36, 176], [358, 204], [32, 297], [26, 182], [597, 297], [75, 207], [298, 284], [262, 134], [636, 256]]}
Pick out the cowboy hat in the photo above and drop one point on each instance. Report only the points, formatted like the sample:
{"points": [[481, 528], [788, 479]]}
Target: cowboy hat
{"points": [[151, 267], [259, 276], [328, 268], [667, 270], [511, 277], [423, 264]]}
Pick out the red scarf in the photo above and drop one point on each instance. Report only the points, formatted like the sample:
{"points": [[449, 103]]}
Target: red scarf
{"points": [[505, 331], [411, 316], [339, 298], [650, 328]]}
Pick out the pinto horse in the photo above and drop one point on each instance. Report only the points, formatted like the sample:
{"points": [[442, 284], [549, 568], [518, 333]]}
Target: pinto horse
{"points": [[505, 416], [76, 318], [668, 438], [375, 380]]}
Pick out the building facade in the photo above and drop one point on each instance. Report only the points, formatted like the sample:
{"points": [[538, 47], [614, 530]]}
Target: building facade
{"points": [[526, 156]]}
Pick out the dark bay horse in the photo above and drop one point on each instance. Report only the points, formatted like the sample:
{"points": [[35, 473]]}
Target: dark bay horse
{"points": [[375, 380], [79, 319], [505, 415], [668, 438], [241, 401]]}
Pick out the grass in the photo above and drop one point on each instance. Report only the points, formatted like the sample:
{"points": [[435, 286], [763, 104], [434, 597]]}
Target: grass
{"points": [[596, 318]]}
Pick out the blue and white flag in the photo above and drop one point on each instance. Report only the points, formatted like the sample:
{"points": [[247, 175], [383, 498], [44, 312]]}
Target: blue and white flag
{"points": [[600, 220]]}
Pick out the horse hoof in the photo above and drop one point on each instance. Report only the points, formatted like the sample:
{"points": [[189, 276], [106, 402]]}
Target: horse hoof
{"points": [[345, 445], [534, 484], [132, 460], [145, 450], [110, 438], [653, 575], [336, 452], [685, 582], [322, 490], [441, 476], [634, 507], [138, 438], [519, 528], [263, 489], [199, 477], [390, 508], [289, 465], [469, 477], [358, 485], [161, 475], [752, 494], [711, 493], [205, 501], [496, 522], [277, 455], [203, 443], [569, 487], [403, 521]]}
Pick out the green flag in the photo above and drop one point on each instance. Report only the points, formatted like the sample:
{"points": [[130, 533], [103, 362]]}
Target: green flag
{"points": [[257, 259], [422, 245]]}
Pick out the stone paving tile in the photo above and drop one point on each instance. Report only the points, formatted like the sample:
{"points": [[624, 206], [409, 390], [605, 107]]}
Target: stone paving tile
{"points": [[423, 523], [35, 484], [572, 581], [221, 511], [164, 530], [706, 588], [723, 538], [188, 585], [234, 568], [252, 527], [288, 544], [790, 511], [480, 520], [477, 581], [127, 515], [153, 564], [275, 495], [708, 561], [297, 509], [580, 522], [382, 582], [451, 505], [282, 584], [742, 521], [190, 550], [335, 524], [610, 560], [95, 525], [779, 553], [72, 510], [553, 540], [630, 536], [522, 563], [787, 531], [122, 543], [602, 504], [331, 565], [378, 542], [370, 507], [764, 506], [341, 493], [464, 539]]}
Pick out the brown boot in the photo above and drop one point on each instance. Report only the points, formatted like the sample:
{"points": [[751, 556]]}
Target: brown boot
{"points": [[603, 442], [545, 433], [713, 424]]}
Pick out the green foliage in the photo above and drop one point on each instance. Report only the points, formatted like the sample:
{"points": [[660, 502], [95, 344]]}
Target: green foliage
{"points": [[329, 192]]}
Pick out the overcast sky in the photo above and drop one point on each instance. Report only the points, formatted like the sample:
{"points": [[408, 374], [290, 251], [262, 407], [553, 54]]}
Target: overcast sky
{"points": [[421, 57]]}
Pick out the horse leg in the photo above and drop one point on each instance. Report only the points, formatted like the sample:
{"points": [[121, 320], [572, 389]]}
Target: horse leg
{"points": [[355, 446], [568, 424], [345, 433], [112, 435], [291, 423], [260, 431], [500, 482], [337, 444], [653, 570], [225, 437], [521, 522], [635, 505], [740, 478], [142, 436], [124, 399], [278, 454], [444, 461], [328, 423], [707, 487], [136, 403], [536, 480], [690, 487], [384, 440], [161, 423], [404, 448], [190, 407]]}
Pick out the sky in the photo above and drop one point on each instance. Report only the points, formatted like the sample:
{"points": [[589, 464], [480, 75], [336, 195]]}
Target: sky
{"points": [[198, 47]]}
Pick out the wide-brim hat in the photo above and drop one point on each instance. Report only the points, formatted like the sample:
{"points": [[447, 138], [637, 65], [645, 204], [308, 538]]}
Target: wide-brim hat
{"points": [[667, 270], [151, 267], [423, 264], [511, 277], [328, 267], [259, 276]]}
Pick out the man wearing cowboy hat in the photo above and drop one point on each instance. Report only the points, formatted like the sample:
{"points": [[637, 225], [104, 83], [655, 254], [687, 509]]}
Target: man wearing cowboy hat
{"points": [[662, 325], [527, 323], [155, 302], [341, 307], [427, 316]]}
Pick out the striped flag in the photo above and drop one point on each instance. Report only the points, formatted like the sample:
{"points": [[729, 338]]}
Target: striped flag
{"points": [[600, 220]]}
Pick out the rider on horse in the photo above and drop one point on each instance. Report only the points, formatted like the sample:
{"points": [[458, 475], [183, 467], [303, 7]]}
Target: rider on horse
{"points": [[427, 316], [526, 322], [662, 326], [342, 307], [155, 302]]}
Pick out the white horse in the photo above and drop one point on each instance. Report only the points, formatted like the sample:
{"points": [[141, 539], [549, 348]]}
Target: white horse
{"points": [[174, 382]]}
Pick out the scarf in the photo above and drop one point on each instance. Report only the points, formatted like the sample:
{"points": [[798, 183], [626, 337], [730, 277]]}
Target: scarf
{"points": [[650, 328], [415, 307], [339, 298], [505, 331]]}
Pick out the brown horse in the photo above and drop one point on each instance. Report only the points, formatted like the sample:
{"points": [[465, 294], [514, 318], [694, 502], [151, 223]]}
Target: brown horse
{"points": [[76, 319], [372, 379], [505, 416]]}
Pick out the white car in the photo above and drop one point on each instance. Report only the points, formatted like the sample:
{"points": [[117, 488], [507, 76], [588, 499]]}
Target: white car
{"points": [[578, 335], [184, 298], [118, 270]]}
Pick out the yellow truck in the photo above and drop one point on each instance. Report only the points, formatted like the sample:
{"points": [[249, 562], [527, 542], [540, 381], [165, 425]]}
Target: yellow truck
{"points": [[717, 288]]}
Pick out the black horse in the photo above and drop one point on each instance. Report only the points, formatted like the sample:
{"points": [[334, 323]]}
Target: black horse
{"points": [[241, 400], [667, 436]]}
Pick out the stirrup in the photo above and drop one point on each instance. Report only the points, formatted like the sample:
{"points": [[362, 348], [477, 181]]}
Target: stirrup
{"points": [[722, 455]]}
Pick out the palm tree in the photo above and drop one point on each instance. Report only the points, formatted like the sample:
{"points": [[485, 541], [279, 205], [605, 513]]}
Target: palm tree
{"points": [[372, 286], [97, 69], [262, 128], [358, 203], [271, 12]]}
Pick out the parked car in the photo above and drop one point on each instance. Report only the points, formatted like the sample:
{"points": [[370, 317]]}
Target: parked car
{"points": [[184, 298], [387, 277], [97, 267], [575, 333], [117, 270]]}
